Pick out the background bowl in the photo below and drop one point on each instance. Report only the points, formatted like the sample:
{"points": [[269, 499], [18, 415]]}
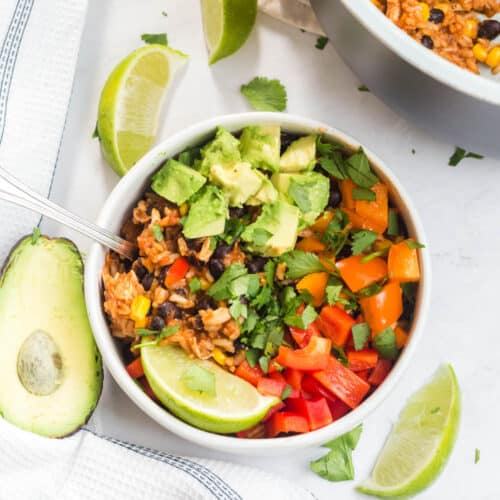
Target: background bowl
{"points": [[119, 204], [452, 103]]}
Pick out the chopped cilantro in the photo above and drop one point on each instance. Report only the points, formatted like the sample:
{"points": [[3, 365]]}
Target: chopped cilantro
{"points": [[252, 356], [333, 294], [385, 343], [373, 255], [222, 288], [168, 331], [334, 165], [158, 38], [164, 14], [325, 148], [303, 320], [269, 270], [286, 391], [360, 334], [35, 235], [340, 354], [321, 42], [477, 455], [238, 310], [413, 151], [362, 241], [264, 363], [370, 290], [95, 133], [414, 244], [299, 263], [359, 170], [360, 193], [335, 237], [460, 154], [195, 285], [363, 88], [393, 225], [264, 94], [199, 379], [157, 232]]}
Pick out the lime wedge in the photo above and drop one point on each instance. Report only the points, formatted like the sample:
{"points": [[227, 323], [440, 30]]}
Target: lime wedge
{"points": [[235, 406], [227, 25], [130, 104], [421, 441]]}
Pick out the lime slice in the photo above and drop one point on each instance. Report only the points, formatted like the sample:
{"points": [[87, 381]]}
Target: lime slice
{"points": [[420, 443], [227, 25], [236, 405], [130, 104]]}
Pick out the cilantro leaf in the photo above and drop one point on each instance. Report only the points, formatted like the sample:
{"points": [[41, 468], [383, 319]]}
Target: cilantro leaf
{"points": [[359, 170], [299, 263], [221, 289], [286, 392], [340, 354], [269, 271], [324, 148], [264, 363], [477, 455], [303, 320], [373, 255], [35, 235], [363, 88], [264, 94], [334, 165], [460, 154], [393, 225], [168, 331], [321, 42], [95, 133], [157, 232], [363, 240], [414, 244], [238, 310], [252, 356], [370, 290], [199, 379], [360, 193], [195, 285], [385, 343], [360, 334], [351, 438], [333, 294], [158, 38]]}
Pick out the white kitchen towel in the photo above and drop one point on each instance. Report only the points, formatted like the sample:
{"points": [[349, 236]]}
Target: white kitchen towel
{"points": [[88, 467], [39, 42]]}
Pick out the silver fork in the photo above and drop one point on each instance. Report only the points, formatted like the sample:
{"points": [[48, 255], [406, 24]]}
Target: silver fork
{"points": [[14, 191]]}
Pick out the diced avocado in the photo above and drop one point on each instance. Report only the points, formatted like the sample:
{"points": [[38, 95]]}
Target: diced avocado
{"points": [[223, 149], [266, 194], [275, 230], [237, 180], [177, 182], [300, 155], [260, 145], [50, 367], [281, 182], [207, 214], [310, 192]]}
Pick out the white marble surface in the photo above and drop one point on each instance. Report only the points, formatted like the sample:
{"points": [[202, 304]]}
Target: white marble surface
{"points": [[459, 208]]}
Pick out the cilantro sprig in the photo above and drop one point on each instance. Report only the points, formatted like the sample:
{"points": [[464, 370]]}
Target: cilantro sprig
{"points": [[265, 94]]}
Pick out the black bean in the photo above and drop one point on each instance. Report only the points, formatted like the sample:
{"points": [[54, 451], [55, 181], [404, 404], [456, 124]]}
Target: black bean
{"points": [[335, 197], [221, 250], [197, 322], [436, 16], [427, 42], [216, 268], [168, 310], [236, 212], [181, 291], [194, 243], [157, 323], [244, 300], [205, 302], [147, 281], [344, 252], [489, 29], [256, 265], [163, 274], [140, 271]]}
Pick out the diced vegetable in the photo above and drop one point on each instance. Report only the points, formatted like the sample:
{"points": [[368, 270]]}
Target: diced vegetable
{"points": [[327, 259], [335, 324], [384, 308], [147, 388], [359, 275], [271, 387], [380, 372], [285, 422], [316, 411], [312, 389], [403, 263], [338, 409], [310, 244], [134, 368], [139, 308], [315, 284], [312, 357], [294, 378], [301, 336], [359, 222], [401, 337], [274, 409], [344, 383], [177, 271], [376, 211], [362, 360], [248, 373], [346, 187], [322, 221], [256, 432]]}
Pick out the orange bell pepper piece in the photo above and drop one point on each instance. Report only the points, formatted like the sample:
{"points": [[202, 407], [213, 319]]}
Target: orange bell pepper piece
{"points": [[401, 337], [135, 369], [346, 186], [322, 221], [358, 222], [376, 211], [403, 263], [384, 308], [328, 261], [362, 360], [310, 244], [315, 284], [335, 324], [358, 275]]}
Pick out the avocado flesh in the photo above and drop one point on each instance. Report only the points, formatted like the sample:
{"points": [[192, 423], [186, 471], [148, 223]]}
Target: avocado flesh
{"points": [[50, 367], [300, 155]]}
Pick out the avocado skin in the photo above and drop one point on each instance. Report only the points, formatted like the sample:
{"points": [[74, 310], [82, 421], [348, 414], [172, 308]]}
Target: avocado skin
{"points": [[6, 267]]}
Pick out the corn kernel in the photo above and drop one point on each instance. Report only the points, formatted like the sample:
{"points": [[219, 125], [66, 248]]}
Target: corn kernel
{"points": [[139, 308], [205, 284], [183, 209], [493, 58], [424, 11], [141, 323], [219, 356], [471, 27], [480, 53]]}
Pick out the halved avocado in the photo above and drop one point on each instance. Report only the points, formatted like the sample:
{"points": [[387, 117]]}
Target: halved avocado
{"points": [[50, 368]]}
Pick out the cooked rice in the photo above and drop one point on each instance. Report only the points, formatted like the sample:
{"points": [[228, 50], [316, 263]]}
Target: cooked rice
{"points": [[449, 38]]}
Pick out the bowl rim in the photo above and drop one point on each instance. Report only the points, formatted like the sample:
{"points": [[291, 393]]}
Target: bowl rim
{"points": [[423, 59], [136, 177]]}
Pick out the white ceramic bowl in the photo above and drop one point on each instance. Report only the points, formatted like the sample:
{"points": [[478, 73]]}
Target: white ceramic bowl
{"points": [[118, 206]]}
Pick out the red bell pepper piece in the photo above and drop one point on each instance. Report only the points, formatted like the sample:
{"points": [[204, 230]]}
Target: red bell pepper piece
{"points": [[272, 411], [285, 422], [302, 336], [255, 432], [338, 409], [135, 369], [293, 378], [364, 374], [381, 371], [147, 388], [294, 393], [311, 358], [335, 324], [177, 271], [316, 411], [362, 360], [271, 387], [312, 389], [344, 383], [246, 372]]}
